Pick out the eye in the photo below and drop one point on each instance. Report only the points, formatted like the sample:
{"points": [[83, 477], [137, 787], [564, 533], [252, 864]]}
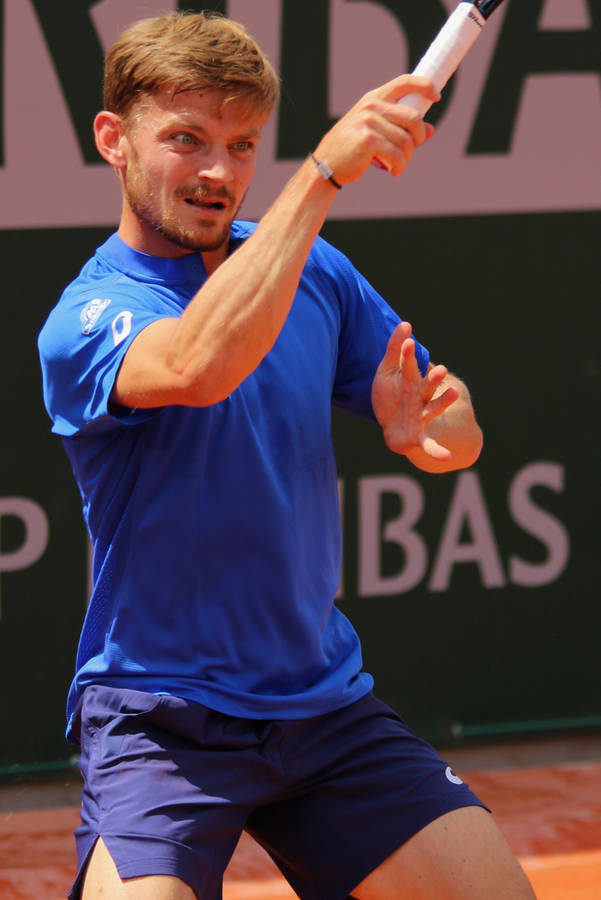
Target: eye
{"points": [[185, 139], [242, 146]]}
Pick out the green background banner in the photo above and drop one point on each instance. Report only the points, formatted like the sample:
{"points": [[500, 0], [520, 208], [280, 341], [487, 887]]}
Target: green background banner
{"points": [[502, 627], [476, 594]]}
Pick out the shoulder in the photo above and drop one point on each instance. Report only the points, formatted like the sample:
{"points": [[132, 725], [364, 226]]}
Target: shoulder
{"points": [[103, 296], [326, 254], [327, 266], [84, 306]]}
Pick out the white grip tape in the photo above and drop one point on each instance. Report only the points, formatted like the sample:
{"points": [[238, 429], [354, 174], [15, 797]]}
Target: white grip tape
{"points": [[446, 51]]}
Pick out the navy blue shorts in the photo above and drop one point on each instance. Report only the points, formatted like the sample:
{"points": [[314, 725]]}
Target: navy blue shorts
{"points": [[169, 785]]}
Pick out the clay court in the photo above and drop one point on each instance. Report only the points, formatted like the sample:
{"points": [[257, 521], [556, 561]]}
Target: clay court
{"points": [[545, 794]]}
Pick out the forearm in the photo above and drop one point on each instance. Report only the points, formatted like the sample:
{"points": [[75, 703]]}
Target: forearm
{"points": [[235, 318]]}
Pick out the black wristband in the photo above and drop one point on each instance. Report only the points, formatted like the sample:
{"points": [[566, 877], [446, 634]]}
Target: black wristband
{"points": [[325, 172]]}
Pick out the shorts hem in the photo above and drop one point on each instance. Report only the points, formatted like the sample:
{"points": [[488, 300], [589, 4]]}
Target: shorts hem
{"points": [[159, 865], [393, 845], [176, 865]]}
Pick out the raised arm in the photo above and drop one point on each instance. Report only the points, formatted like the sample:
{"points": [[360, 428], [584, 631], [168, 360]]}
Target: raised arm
{"points": [[236, 316], [429, 420]]}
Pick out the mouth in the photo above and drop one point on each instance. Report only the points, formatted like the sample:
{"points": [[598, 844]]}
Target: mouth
{"points": [[205, 203]]}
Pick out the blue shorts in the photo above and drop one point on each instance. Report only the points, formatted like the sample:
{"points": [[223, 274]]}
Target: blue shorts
{"points": [[169, 785]]}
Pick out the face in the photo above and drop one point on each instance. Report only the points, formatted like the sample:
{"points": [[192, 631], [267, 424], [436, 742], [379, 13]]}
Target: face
{"points": [[190, 161]]}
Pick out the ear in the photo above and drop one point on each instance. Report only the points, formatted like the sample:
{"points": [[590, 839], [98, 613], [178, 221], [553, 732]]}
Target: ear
{"points": [[110, 136]]}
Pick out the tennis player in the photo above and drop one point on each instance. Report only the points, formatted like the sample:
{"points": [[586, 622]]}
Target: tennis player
{"points": [[190, 370]]}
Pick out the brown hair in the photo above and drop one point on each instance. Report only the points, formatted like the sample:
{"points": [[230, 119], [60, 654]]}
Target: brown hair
{"points": [[187, 52]]}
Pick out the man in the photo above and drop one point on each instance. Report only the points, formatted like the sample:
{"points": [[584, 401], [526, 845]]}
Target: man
{"points": [[190, 370]]}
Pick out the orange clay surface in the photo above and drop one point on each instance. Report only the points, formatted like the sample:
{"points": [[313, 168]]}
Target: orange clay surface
{"points": [[551, 816]]}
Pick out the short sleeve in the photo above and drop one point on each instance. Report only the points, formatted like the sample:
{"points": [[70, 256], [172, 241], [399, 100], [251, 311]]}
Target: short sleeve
{"points": [[82, 346], [367, 322]]}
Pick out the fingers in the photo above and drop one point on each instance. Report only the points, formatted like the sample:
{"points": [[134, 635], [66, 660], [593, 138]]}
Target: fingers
{"points": [[399, 133], [391, 359], [400, 356], [437, 405], [395, 90], [397, 130], [435, 376], [434, 449], [378, 127], [407, 362], [402, 126], [432, 409], [395, 116]]}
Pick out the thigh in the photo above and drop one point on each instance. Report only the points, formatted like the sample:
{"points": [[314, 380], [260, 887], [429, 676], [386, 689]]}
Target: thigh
{"points": [[365, 785], [462, 855]]}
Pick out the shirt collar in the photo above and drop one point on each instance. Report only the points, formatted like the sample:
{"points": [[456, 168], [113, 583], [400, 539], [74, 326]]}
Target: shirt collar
{"points": [[183, 269]]}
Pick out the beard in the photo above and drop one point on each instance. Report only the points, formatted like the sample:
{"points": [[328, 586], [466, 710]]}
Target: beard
{"points": [[166, 221]]}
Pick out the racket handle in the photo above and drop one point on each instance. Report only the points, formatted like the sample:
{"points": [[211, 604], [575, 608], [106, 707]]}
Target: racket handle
{"points": [[445, 53], [447, 50]]}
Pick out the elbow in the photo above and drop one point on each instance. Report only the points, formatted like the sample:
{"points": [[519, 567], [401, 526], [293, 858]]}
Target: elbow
{"points": [[203, 385], [199, 390]]}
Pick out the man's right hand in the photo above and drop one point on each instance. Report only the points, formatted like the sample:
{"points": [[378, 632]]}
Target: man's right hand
{"points": [[378, 127]]}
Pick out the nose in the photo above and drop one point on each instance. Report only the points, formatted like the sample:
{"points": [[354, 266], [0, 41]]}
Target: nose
{"points": [[216, 164]]}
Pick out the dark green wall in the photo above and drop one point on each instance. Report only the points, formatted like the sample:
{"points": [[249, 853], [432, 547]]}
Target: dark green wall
{"points": [[509, 302]]}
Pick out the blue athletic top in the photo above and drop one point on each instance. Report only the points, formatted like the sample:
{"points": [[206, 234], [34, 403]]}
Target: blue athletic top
{"points": [[215, 531]]}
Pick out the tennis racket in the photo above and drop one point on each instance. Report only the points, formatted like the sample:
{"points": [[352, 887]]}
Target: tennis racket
{"points": [[448, 48]]}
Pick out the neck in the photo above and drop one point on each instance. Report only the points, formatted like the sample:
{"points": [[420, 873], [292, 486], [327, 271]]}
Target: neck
{"points": [[140, 236], [212, 259], [145, 238]]}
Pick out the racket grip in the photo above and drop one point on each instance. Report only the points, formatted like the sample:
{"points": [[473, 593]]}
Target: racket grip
{"points": [[445, 53], [450, 45]]}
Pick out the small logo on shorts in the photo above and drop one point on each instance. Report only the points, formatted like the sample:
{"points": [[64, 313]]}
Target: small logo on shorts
{"points": [[91, 313], [454, 779]]}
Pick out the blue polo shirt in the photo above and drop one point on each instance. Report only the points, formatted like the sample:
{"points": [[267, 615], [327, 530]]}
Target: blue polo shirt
{"points": [[215, 531]]}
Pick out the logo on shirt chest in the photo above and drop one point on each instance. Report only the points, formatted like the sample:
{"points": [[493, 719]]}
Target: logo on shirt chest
{"points": [[91, 313]]}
